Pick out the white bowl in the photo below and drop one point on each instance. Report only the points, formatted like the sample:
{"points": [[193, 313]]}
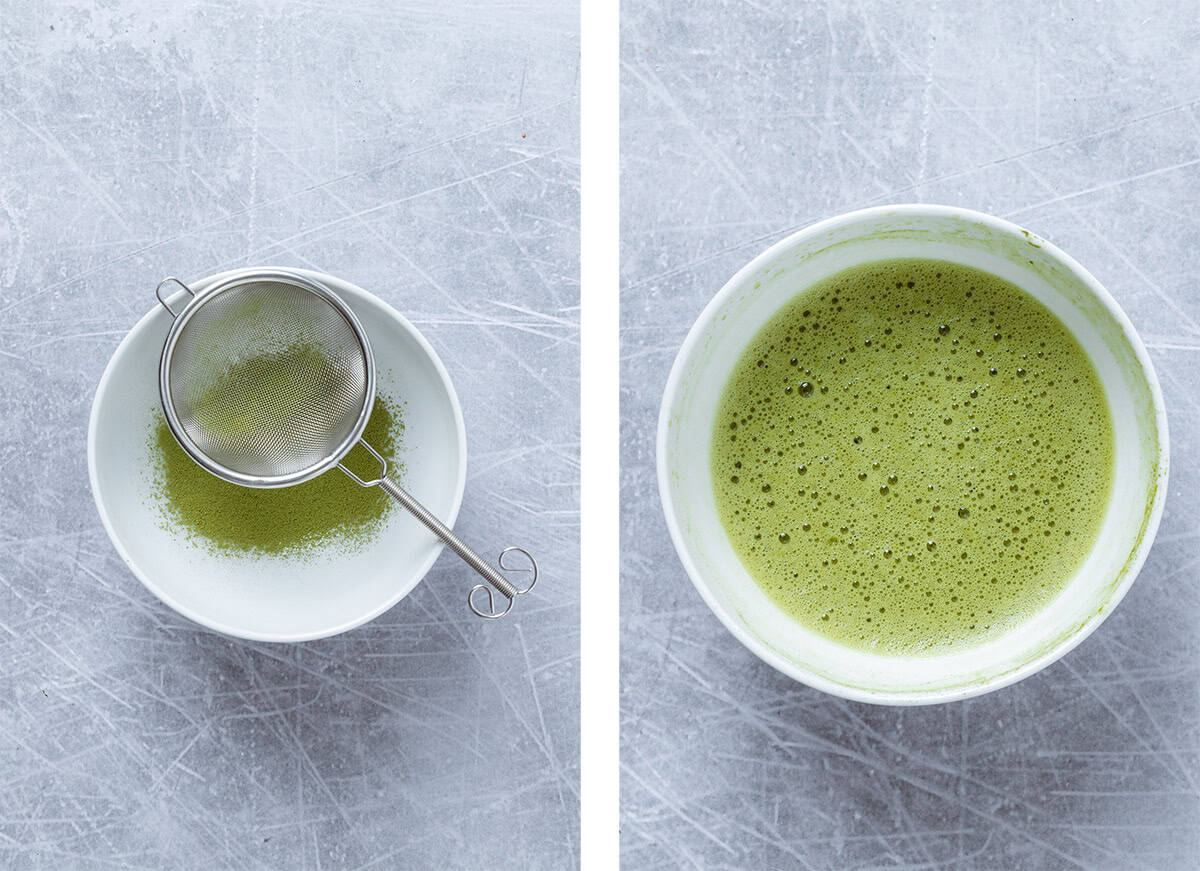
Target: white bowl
{"points": [[279, 598], [748, 301]]}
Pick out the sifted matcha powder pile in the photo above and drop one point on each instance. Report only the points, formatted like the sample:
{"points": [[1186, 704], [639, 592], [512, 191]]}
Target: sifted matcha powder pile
{"points": [[294, 521]]}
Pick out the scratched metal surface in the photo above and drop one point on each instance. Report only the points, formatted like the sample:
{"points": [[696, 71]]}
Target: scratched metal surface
{"points": [[427, 153], [743, 121]]}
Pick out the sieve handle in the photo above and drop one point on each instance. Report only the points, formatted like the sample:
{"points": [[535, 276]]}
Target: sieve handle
{"points": [[490, 573], [509, 590]]}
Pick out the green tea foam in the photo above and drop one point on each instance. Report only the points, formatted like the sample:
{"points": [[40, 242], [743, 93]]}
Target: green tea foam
{"points": [[911, 456]]}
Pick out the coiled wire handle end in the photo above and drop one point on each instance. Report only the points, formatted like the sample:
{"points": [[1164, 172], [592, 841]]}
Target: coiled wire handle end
{"points": [[490, 613]]}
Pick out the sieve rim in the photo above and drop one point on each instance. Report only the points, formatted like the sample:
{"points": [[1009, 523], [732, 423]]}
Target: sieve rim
{"points": [[166, 400]]}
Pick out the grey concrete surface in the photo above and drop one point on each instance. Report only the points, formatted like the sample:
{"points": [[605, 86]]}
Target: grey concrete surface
{"points": [[743, 121], [426, 151]]}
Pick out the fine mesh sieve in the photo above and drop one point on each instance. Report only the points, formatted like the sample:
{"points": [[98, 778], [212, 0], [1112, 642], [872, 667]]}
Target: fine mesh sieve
{"points": [[267, 379], [267, 382]]}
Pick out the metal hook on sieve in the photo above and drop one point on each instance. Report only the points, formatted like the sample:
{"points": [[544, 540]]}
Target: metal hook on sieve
{"points": [[491, 574], [163, 302]]}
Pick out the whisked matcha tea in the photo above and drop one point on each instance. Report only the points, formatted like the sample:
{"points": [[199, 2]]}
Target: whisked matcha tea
{"points": [[911, 456]]}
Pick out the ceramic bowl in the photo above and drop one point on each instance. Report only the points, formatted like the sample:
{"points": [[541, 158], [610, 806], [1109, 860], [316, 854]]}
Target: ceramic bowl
{"points": [[278, 598], [757, 292]]}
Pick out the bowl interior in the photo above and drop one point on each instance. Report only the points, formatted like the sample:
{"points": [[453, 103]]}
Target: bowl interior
{"points": [[279, 598], [748, 302]]}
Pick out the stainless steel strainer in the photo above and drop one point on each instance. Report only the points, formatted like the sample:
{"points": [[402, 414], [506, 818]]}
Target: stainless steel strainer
{"points": [[267, 379]]}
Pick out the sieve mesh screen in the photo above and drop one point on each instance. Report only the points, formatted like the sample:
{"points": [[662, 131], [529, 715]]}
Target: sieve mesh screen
{"points": [[267, 378]]}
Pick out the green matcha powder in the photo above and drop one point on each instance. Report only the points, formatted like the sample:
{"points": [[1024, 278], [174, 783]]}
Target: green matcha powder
{"points": [[232, 519]]}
